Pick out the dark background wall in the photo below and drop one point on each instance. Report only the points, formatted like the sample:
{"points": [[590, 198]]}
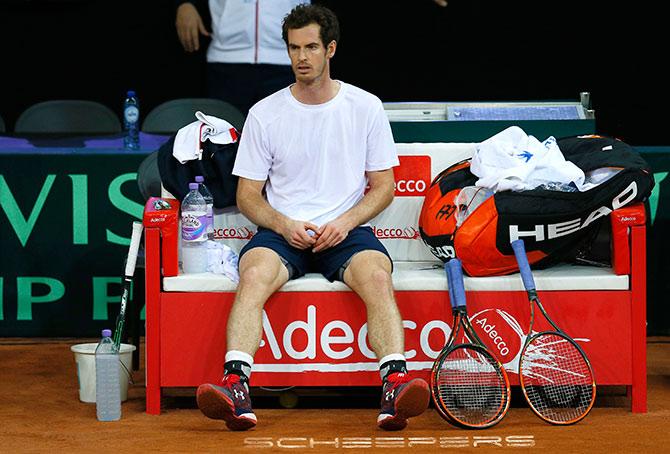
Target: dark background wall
{"points": [[404, 50]]}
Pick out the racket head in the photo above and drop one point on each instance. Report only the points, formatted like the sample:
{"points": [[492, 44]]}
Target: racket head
{"points": [[469, 386], [556, 378]]}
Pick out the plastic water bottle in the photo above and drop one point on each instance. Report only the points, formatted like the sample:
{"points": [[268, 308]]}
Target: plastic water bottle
{"points": [[131, 121], [107, 384], [209, 200], [194, 231]]}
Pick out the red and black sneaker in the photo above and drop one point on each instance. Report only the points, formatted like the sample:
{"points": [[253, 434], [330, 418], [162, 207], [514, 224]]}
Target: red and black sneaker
{"points": [[402, 398], [230, 401]]}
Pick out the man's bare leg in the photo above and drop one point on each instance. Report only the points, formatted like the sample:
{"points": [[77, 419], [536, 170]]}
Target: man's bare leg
{"points": [[369, 275], [261, 274]]}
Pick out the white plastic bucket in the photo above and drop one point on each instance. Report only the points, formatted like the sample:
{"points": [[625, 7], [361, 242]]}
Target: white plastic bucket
{"points": [[84, 356]]}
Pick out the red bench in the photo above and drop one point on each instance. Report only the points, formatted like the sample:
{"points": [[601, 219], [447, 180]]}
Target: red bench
{"points": [[315, 332]]}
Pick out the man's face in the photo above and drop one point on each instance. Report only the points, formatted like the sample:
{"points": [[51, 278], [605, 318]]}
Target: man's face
{"points": [[309, 57]]}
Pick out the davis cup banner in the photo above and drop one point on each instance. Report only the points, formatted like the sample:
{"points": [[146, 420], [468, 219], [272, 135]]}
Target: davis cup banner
{"points": [[64, 232]]}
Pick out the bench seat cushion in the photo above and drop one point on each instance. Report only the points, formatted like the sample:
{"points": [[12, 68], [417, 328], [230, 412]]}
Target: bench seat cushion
{"points": [[425, 276]]}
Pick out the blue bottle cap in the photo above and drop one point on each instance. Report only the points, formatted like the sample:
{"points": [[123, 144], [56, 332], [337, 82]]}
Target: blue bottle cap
{"points": [[131, 93], [193, 186], [106, 333], [199, 178]]}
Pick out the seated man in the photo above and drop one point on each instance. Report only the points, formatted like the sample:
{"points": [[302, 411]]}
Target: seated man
{"points": [[306, 155]]}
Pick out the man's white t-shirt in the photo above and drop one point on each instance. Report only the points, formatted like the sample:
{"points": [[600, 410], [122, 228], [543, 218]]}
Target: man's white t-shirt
{"points": [[314, 157]]}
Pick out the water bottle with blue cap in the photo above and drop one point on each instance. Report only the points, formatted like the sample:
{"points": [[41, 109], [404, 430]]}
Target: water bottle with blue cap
{"points": [[131, 121]]}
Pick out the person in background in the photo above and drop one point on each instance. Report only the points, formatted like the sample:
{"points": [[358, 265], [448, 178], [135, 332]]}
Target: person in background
{"points": [[307, 154], [246, 56]]}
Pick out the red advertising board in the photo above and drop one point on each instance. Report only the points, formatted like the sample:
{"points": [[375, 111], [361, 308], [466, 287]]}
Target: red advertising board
{"points": [[320, 342]]}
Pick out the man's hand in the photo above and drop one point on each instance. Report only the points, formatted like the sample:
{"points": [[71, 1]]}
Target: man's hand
{"points": [[332, 234], [300, 234], [441, 2], [189, 24]]}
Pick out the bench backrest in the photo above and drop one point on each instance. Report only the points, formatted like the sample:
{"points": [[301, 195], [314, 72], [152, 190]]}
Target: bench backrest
{"points": [[397, 226]]}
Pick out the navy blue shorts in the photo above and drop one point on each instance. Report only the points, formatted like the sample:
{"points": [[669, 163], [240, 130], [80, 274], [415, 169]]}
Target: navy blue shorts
{"points": [[327, 262]]}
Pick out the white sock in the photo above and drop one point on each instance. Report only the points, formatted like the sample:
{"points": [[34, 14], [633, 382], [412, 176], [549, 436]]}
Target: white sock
{"points": [[236, 355], [383, 372]]}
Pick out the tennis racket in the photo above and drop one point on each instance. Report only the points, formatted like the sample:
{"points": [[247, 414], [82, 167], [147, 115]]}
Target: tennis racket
{"points": [[555, 374], [127, 281], [470, 388]]}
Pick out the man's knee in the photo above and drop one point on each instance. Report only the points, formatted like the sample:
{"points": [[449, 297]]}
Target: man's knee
{"points": [[253, 274], [261, 267], [370, 268], [381, 277]]}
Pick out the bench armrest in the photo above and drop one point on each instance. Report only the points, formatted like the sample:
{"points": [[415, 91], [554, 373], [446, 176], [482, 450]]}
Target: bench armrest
{"points": [[166, 219], [622, 220]]}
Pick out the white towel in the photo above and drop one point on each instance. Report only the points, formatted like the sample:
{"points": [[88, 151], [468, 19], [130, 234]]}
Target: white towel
{"points": [[221, 259], [512, 160], [187, 143]]}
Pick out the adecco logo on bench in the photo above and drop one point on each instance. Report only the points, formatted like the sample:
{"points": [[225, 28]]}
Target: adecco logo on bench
{"points": [[234, 233], [396, 233], [412, 176], [318, 340]]}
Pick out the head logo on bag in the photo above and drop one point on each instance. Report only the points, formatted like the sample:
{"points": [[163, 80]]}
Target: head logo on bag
{"points": [[553, 224]]}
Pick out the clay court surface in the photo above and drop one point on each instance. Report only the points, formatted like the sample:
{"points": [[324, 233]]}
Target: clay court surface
{"points": [[40, 412]]}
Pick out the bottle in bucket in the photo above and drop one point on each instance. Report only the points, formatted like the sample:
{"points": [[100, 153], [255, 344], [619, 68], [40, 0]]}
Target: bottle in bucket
{"points": [[107, 386]]}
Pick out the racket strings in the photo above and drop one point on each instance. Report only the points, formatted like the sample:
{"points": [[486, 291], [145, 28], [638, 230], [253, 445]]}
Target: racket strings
{"points": [[471, 387], [557, 378]]}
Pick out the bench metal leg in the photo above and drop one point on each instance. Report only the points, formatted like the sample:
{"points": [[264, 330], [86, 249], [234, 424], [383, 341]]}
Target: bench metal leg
{"points": [[152, 338], [638, 390]]}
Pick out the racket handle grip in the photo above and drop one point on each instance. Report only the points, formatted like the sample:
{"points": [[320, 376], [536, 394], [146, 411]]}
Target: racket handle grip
{"points": [[134, 247], [524, 268], [450, 283], [458, 292]]}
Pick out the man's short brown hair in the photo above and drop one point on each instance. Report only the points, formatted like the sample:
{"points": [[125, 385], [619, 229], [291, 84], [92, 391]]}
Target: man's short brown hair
{"points": [[305, 14]]}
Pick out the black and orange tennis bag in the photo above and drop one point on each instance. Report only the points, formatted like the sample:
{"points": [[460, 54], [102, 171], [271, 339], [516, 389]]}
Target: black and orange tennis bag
{"points": [[553, 224]]}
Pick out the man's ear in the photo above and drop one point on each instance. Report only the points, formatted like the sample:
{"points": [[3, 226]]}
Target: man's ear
{"points": [[330, 50]]}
